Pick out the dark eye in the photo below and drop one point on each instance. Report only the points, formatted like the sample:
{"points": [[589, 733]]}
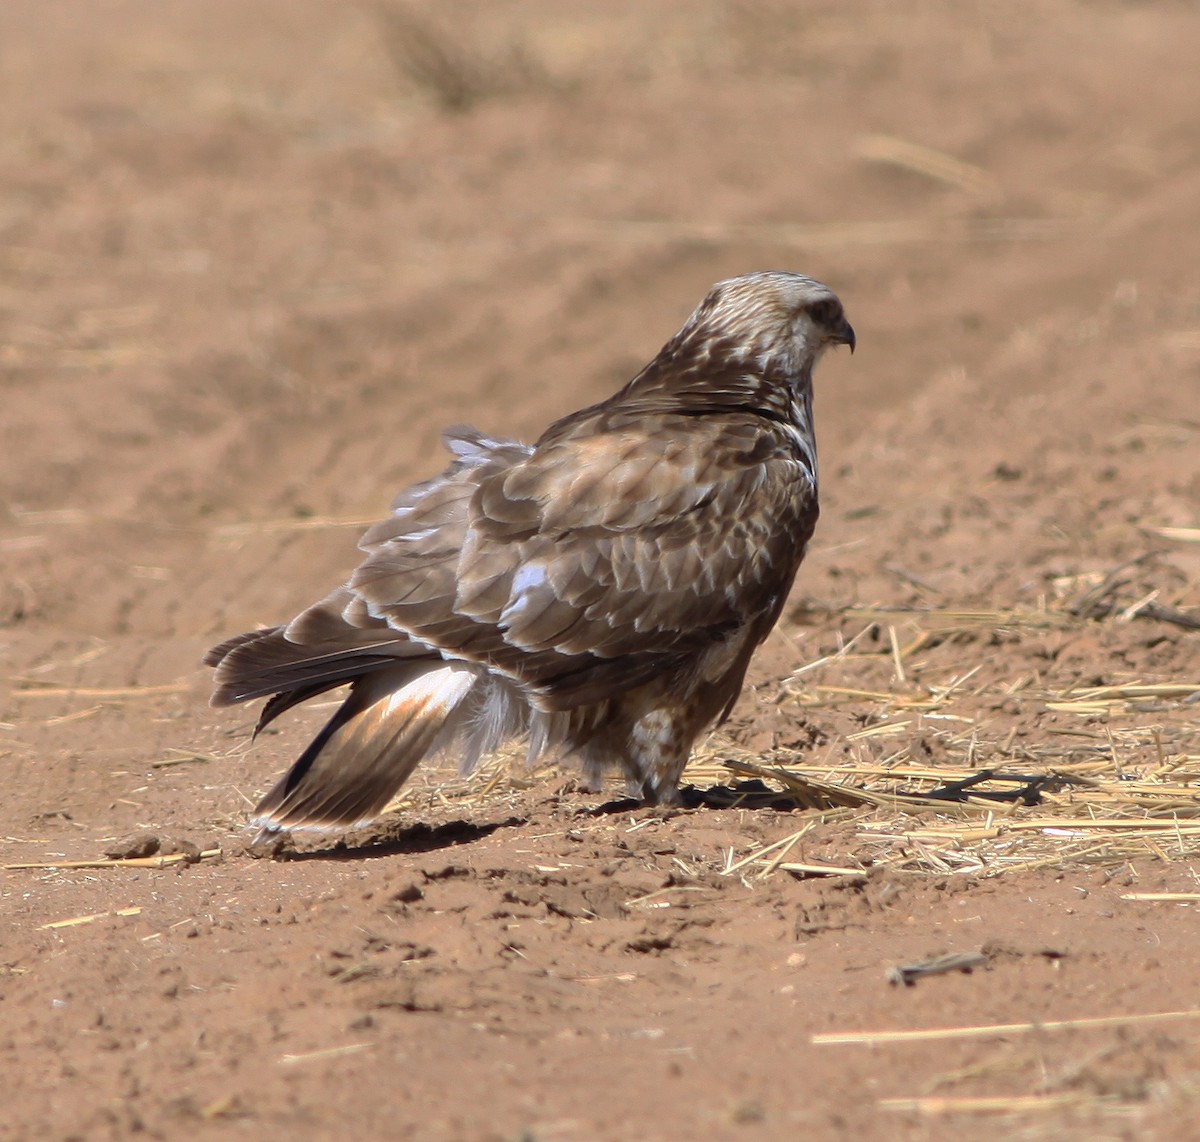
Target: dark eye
{"points": [[824, 313]]}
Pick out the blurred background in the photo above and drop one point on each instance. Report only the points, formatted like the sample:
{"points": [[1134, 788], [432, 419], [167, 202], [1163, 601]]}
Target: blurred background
{"points": [[254, 256]]}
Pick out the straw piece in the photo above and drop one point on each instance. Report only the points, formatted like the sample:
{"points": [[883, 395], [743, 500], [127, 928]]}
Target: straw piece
{"points": [[758, 854], [819, 869], [35, 688], [1067, 824], [880, 729], [932, 164], [841, 654], [897, 657], [74, 716], [781, 855], [998, 1029], [1161, 896], [1133, 690], [851, 692], [130, 862], [652, 899], [1002, 1104], [1181, 534], [184, 758], [327, 1053], [76, 921]]}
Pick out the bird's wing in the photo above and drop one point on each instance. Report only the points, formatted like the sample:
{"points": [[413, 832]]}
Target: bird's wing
{"points": [[338, 639], [599, 559]]}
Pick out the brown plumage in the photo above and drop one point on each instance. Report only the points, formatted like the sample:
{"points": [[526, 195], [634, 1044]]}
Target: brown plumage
{"points": [[599, 593]]}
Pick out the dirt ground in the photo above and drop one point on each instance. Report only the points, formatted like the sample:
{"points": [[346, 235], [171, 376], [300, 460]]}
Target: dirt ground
{"points": [[253, 256]]}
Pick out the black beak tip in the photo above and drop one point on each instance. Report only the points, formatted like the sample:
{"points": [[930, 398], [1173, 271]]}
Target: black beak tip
{"points": [[848, 337]]}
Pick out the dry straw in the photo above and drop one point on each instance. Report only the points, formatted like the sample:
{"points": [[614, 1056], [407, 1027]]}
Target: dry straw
{"points": [[974, 771], [999, 1030], [165, 860]]}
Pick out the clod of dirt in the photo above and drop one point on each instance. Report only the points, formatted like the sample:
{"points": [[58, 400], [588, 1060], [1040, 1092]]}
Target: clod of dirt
{"points": [[147, 844], [133, 847]]}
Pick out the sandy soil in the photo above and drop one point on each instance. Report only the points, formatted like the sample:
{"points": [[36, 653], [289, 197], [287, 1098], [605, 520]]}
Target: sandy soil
{"points": [[254, 256]]}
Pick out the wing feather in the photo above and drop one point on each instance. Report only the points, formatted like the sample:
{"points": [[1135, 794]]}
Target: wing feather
{"points": [[599, 555]]}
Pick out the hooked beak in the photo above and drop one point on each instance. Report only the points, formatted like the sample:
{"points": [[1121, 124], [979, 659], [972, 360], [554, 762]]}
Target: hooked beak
{"points": [[845, 335]]}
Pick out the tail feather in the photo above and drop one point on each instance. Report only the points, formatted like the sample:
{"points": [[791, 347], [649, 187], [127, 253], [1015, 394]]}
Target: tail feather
{"points": [[286, 699], [390, 721], [267, 662]]}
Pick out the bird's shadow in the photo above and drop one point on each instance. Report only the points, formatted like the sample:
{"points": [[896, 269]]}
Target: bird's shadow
{"points": [[751, 794], [382, 840], [394, 838]]}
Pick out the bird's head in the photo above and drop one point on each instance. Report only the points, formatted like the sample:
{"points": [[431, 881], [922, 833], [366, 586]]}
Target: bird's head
{"points": [[777, 322], [751, 344]]}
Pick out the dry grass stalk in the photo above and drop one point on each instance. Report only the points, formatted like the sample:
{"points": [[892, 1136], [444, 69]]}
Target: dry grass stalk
{"points": [[326, 1053], [36, 688], [655, 899], [184, 757], [1180, 534], [1163, 897], [164, 861], [819, 869], [76, 921], [932, 164], [1003, 1104], [994, 1030], [74, 716], [785, 845]]}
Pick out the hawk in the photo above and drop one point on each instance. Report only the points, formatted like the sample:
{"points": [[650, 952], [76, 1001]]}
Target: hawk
{"points": [[599, 592]]}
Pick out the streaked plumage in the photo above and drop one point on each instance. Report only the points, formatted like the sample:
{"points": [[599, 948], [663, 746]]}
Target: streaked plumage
{"points": [[599, 592]]}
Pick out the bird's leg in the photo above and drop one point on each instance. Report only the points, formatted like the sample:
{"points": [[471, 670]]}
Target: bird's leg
{"points": [[658, 750]]}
